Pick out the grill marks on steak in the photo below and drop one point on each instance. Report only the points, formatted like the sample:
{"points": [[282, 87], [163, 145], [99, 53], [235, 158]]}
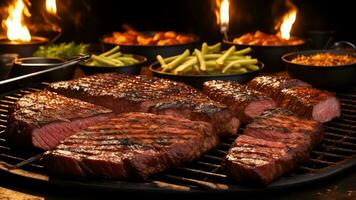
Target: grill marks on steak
{"points": [[299, 134], [278, 127], [44, 118], [319, 105], [131, 146], [298, 97], [272, 85], [253, 160], [124, 93], [243, 101]]}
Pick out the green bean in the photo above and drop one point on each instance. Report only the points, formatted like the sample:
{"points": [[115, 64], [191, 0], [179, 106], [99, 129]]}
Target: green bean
{"points": [[161, 60], [204, 48], [214, 48], [252, 67], [126, 59], [196, 68], [243, 51], [220, 61], [229, 66], [176, 61], [104, 60], [201, 60], [212, 56], [111, 51], [211, 63], [169, 59], [232, 58], [247, 61], [185, 65], [240, 70], [115, 55]]}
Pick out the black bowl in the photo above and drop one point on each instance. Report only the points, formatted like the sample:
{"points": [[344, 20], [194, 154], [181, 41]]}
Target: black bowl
{"points": [[151, 51], [24, 49], [331, 77], [198, 80], [27, 65], [129, 69], [269, 55]]}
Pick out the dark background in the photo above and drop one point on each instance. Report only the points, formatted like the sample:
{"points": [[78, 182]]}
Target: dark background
{"points": [[196, 16], [87, 20]]}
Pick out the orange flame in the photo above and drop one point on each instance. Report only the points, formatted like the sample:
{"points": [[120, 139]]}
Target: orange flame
{"points": [[51, 6], [16, 28], [288, 19], [222, 14]]}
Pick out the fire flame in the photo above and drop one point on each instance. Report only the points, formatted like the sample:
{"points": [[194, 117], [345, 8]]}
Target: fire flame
{"points": [[51, 6], [16, 28], [288, 19], [222, 14]]}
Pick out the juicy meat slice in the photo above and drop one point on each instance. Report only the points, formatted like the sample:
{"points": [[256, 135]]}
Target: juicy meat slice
{"points": [[123, 93], [284, 121], [42, 119], [298, 134], [131, 146], [254, 160], [245, 103], [272, 85], [273, 144], [319, 105], [221, 118]]}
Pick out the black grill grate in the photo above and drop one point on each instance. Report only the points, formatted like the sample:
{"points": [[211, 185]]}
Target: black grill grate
{"points": [[336, 153]]}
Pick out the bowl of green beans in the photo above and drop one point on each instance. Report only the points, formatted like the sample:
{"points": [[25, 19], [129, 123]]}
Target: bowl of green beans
{"points": [[113, 61], [208, 63]]}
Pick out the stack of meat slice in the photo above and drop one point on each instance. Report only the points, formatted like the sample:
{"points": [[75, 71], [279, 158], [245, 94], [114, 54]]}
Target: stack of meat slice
{"points": [[131, 146], [298, 97], [123, 93], [245, 102], [272, 145], [44, 118]]}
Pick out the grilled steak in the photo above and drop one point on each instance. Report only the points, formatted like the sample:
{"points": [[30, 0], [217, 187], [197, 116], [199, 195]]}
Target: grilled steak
{"points": [[273, 144], [131, 146], [44, 118], [253, 160], [243, 101], [272, 85], [123, 93], [299, 134], [319, 105], [293, 94]]}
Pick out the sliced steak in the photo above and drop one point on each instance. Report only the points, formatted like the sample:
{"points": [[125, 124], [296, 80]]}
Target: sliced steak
{"points": [[124, 93], [272, 85], [319, 105], [131, 146], [298, 97], [253, 160], [246, 103], [298, 134], [42, 119]]}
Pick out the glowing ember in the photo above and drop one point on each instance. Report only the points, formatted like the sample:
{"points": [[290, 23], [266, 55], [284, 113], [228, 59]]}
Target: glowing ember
{"points": [[222, 14], [51, 6], [288, 19], [16, 28]]}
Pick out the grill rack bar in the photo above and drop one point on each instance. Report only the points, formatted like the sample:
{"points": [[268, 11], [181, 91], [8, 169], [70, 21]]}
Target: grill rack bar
{"points": [[339, 146]]}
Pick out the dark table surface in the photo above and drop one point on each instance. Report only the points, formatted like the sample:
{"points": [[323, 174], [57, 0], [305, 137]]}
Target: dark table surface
{"points": [[341, 186]]}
